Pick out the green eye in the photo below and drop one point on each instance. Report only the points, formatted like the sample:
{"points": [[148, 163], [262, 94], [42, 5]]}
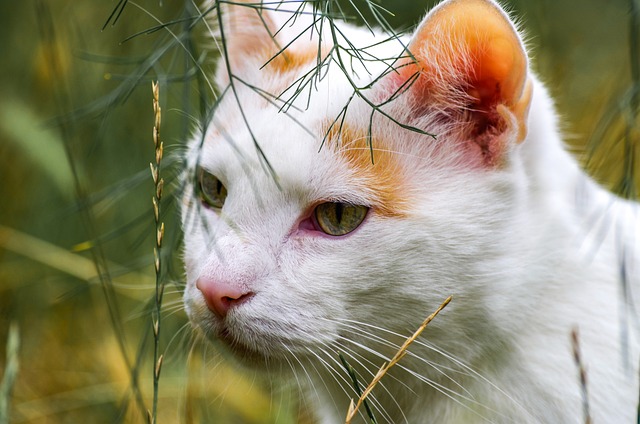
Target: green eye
{"points": [[211, 189], [338, 219]]}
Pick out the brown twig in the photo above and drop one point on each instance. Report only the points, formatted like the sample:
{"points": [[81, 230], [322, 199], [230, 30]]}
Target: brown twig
{"points": [[353, 407], [575, 343]]}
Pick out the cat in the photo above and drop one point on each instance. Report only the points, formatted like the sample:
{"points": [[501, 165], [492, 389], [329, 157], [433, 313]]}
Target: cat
{"points": [[337, 196]]}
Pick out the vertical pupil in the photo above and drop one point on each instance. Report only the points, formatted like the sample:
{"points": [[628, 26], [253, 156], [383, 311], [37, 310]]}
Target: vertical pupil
{"points": [[339, 208], [218, 187]]}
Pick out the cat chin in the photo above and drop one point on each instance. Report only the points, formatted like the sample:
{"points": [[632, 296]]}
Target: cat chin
{"points": [[246, 355], [251, 348], [263, 357]]}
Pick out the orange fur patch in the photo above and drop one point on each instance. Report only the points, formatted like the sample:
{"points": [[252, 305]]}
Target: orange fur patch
{"points": [[287, 66], [292, 60], [378, 167], [475, 38]]}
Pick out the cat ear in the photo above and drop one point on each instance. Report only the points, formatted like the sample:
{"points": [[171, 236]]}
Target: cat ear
{"points": [[249, 32], [250, 40], [245, 35], [471, 63]]}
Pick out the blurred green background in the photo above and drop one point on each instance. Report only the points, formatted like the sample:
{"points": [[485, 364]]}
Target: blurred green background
{"points": [[76, 223]]}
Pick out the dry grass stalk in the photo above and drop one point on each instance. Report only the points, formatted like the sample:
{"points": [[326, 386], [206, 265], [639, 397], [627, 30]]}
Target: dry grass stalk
{"points": [[575, 343], [158, 187], [353, 407]]}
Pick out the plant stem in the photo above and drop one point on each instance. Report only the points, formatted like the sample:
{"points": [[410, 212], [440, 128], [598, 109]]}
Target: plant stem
{"points": [[155, 316], [10, 372], [396, 358]]}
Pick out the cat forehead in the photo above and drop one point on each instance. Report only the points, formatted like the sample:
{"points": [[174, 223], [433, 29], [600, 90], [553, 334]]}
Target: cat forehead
{"points": [[234, 147], [275, 155], [304, 155], [276, 119], [251, 126], [282, 102]]}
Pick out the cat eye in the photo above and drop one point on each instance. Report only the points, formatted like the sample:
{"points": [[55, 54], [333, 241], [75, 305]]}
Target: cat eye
{"points": [[210, 189], [338, 219]]}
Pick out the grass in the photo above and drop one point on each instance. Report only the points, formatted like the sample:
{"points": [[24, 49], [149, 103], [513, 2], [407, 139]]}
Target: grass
{"points": [[10, 372], [156, 315], [402, 351], [77, 276]]}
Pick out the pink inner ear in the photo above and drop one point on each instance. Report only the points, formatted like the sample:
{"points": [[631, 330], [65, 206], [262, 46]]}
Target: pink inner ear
{"points": [[472, 41]]}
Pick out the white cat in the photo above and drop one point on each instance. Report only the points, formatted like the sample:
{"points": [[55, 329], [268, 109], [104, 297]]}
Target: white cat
{"points": [[334, 224]]}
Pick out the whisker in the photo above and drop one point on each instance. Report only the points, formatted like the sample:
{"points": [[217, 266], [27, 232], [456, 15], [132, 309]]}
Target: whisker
{"points": [[372, 400], [335, 374], [353, 326], [293, 370], [375, 353], [353, 355], [437, 367], [450, 393]]}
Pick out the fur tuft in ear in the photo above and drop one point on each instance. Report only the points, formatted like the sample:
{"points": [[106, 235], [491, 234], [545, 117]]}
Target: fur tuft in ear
{"points": [[471, 63]]}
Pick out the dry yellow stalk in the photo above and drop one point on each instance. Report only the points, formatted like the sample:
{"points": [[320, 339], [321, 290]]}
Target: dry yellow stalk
{"points": [[159, 184], [353, 407]]}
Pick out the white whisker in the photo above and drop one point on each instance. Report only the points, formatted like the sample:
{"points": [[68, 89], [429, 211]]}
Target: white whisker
{"points": [[353, 355]]}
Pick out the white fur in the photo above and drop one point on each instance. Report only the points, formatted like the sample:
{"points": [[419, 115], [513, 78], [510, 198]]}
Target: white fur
{"points": [[529, 251]]}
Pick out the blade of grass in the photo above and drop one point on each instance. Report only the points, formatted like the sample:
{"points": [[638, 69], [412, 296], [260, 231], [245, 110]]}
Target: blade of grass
{"points": [[71, 263], [69, 135], [10, 373], [357, 388]]}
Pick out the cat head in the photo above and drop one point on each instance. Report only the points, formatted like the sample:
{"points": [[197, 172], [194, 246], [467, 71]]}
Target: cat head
{"points": [[343, 187]]}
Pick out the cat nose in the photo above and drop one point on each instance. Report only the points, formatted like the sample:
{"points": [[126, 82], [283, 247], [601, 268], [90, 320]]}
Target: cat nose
{"points": [[220, 296]]}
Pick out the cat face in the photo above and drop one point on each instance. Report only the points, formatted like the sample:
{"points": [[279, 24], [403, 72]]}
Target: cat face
{"points": [[348, 209], [278, 242]]}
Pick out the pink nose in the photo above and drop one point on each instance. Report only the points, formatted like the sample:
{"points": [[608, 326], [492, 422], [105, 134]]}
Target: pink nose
{"points": [[221, 297]]}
